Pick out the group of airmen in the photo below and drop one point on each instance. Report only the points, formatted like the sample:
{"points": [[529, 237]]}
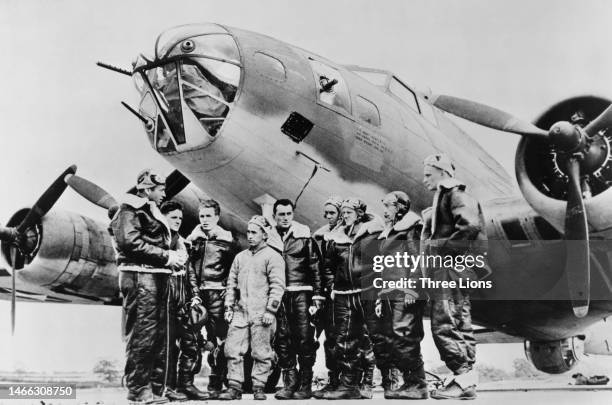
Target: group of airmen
{"points": [[268, 304]]}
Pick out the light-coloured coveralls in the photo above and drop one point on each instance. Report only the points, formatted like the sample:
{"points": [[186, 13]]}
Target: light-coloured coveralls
{"points": [[255, 285]]}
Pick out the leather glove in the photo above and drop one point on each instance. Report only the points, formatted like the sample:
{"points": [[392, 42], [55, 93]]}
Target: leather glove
{"points": [[378, 308], [267, 318], [229, 315]]}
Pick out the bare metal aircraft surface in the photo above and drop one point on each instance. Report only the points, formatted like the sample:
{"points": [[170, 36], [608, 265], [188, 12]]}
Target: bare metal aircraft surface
{"points": [[246, 119]]}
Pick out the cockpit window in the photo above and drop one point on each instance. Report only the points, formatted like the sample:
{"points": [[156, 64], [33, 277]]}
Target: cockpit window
{"points": [[402, 92], [331, 86], [376, 78]]}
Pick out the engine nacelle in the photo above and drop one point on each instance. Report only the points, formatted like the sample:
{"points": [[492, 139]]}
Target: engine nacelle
{"points": [[540, 169], [555, 357], [69, 253]]}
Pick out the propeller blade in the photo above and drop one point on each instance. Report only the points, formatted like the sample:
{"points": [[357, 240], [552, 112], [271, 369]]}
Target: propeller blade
{"points": [[175, 183], [46, 201], [7, 234], [13, 254], [487, 116], [91, 192], [603, 121], [577, 264]]}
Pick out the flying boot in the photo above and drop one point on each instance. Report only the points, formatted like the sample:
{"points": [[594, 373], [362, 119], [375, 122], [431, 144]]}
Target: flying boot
{"points": [[414, 387], [305, 390], [367, 383], [389, 379], [290, 381], [331, 385], [347, 389]]}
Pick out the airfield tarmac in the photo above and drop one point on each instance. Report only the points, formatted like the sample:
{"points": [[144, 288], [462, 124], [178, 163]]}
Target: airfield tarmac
{"points": [[557, 395]]}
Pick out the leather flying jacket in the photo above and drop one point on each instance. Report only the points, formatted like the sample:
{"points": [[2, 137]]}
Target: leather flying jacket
{"points": [[142, 236], [402, 237], [210, 258], [350, 256], [323, 237], [301, 255], [455, 225]]}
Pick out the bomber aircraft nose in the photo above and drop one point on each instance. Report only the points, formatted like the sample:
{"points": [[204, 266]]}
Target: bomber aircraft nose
{"points": [[188, 88]]}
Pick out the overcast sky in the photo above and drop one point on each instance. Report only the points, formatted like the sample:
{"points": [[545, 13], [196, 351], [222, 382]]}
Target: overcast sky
{"points": [[58, 108]]}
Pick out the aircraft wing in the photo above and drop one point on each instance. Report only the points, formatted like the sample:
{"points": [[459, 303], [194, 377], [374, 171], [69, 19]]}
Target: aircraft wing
{"points": [[32, 293], [486, 335]]}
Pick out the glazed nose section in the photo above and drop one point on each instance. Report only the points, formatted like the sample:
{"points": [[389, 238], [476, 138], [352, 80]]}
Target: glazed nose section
{"points": [[189, 88]]}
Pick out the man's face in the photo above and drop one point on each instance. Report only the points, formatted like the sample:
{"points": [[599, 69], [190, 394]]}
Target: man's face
{"points": [[157, 194], [432, 177], [331, 214], [283, 216], [390, 209], [255, 235], [208, 218], [349, 215], [174, 218]]}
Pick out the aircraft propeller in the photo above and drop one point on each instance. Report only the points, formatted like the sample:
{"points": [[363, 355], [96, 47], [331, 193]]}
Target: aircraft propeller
{"points": [[16, 236], [574, 143]]}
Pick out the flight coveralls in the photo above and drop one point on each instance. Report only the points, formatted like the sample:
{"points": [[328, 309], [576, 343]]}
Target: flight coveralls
{"points": [[256, 284], [142, 243], [454, 226], [399, 330], [210, 259], [350, 258], [295, 342]]}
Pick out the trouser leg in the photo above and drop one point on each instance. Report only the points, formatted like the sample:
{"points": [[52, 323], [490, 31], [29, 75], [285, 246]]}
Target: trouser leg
{"points": [[350, 330], [302, 331], [236, 346], [464, 324], [216, 331], [171, 319], [379, 331], [143, 308], [190, 358], [449, 339], [262, 353], [284, 344], [330, 339], [406, 334]]}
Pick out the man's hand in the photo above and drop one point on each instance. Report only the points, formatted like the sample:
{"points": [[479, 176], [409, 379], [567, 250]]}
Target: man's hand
{"points": [[267, 318], [378, 308], [315, 307], [176, 259], [229, 315], [195, 301]]}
